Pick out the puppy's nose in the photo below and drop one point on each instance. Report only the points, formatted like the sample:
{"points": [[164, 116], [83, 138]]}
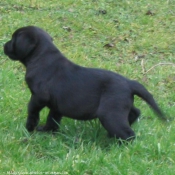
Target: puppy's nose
{"points": [[4, 45]]}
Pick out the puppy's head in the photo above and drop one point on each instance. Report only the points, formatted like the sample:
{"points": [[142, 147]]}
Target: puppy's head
{"points": [[24, 42]]}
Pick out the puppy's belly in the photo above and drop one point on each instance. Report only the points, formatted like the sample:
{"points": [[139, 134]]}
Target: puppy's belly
{"points": [[80, 114], [84, 109], [83, 117]]}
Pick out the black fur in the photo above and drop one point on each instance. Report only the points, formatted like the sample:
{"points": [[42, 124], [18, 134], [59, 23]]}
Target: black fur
{"points": [[73, 91]]}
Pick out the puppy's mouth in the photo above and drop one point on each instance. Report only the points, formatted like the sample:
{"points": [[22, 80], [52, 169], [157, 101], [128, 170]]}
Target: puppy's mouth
{"points": [[8, 50]]}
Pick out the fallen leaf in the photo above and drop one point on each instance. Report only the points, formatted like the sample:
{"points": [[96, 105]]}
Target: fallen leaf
{"points": [[109, 45], [103, 12], [137, 57], [67, 28], [149, 12]]}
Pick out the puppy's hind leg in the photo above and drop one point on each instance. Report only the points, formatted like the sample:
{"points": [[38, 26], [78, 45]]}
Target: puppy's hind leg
{"points": [[117, 125], [133, 115], [53, 121]]}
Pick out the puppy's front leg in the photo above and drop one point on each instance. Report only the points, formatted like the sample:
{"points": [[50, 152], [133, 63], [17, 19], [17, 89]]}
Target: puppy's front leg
{"points": [[34, 108], [53, 121]]}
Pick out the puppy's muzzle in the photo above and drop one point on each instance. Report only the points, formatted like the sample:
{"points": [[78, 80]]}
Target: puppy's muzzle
{"points": [[9, 50]]}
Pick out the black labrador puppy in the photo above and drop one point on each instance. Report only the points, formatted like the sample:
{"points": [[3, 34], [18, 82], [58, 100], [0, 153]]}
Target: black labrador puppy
{"points": [[70, 90]]}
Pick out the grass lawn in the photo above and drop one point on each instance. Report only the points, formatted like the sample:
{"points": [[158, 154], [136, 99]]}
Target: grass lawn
{"points": [[135, 38]]}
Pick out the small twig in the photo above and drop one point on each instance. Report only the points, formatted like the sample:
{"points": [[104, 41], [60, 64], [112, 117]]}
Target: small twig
{"points": [[159, 64], [143, 67]]}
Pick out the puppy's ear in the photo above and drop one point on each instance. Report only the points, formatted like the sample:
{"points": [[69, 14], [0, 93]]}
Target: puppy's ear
{"points": [[25, 43]]}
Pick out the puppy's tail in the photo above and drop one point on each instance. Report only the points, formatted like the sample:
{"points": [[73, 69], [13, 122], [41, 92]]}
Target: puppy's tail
{"points": [[142, 92]]}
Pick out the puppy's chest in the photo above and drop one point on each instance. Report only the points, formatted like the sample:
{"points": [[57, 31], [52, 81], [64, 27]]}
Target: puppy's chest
{"points": [[38, 88]]}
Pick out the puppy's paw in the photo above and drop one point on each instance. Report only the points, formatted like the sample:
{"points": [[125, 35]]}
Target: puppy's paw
{"points": [[31, 123], [40, 128], [29, 127], [46, 129]]}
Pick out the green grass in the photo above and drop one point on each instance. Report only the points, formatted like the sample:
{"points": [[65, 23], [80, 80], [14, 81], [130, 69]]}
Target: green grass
{"points": [[142, 34]]}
